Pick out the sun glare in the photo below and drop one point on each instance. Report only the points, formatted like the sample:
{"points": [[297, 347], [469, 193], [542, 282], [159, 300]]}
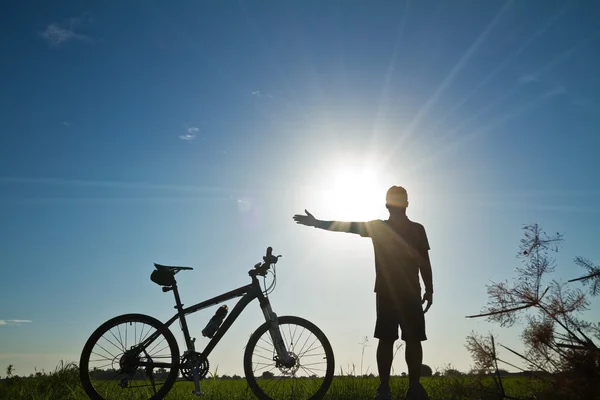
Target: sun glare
{"points": [[353, 194]]}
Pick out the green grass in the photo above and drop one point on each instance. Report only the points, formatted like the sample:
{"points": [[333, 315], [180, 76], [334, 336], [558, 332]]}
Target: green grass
{"points": [[63, 383]]}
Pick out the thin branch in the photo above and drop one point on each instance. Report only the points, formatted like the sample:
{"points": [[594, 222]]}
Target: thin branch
{"points": [[525, 358], [512, 365], [502, 311], [595, 274], [571, 346], [499, 383]]}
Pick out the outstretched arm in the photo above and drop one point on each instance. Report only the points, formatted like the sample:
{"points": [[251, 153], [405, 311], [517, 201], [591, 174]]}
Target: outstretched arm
{"points": [[336, 226]]}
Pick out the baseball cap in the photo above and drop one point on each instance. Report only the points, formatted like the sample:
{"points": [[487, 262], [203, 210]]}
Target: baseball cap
{"points": [[396, 196]]}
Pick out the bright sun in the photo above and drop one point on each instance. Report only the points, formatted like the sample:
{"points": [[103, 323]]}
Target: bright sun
{"points": [[353, 194]]}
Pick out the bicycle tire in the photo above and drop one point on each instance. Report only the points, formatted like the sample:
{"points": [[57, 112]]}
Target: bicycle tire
{"points": [[285, 324], [108, 326]]}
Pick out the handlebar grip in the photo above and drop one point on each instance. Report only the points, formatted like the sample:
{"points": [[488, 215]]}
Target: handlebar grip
{"points": [[269, 252]]}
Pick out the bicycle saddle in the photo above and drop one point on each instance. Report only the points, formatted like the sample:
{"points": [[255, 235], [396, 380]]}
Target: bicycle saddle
{"points": [[172, 269]]}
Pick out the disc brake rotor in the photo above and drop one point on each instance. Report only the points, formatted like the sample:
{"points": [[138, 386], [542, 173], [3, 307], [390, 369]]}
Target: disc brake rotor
{"points": [[289, 370]]}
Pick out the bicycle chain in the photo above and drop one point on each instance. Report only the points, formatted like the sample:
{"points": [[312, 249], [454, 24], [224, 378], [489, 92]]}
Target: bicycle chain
{"points": [[188, 361]]}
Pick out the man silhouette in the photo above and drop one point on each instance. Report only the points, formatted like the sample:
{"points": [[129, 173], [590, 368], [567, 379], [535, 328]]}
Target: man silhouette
{"points": [[401, 252]]}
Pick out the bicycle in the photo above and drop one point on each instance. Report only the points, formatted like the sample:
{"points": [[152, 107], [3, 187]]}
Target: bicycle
{"points": [[145, 355]]}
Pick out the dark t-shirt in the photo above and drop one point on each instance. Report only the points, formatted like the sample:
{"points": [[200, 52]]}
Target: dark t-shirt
{"points": [[400, 248]]}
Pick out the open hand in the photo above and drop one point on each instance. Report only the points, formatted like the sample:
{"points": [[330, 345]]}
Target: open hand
{"points": [[308, 219], [427, 297]]}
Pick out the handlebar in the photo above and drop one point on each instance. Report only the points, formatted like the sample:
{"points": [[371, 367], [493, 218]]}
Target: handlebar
{"points": [[268, 260]]}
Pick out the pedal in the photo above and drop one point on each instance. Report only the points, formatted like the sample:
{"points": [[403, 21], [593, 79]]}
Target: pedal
{"points": [[197, 393]]}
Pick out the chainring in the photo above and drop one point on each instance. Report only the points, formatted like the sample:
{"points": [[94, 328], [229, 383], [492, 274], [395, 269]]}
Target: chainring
{"points": [[191, 360]]}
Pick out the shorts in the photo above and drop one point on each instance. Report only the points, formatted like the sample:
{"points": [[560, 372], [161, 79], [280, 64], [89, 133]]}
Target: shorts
{"points": [[404, 312]]}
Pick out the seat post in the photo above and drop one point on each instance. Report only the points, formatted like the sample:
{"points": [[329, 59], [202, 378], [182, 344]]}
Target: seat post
{"points": [[184, 327], [178, 306]]}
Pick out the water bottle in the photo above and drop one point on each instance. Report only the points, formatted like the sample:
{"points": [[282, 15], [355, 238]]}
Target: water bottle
{"points": [[215, 322]]}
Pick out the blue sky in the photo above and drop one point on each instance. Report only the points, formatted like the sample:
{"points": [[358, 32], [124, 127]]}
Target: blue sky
{"points": [[191, 133]]}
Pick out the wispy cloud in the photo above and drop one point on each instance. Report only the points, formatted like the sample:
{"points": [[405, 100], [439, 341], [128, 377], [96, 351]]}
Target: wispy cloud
{"points": [[554, 88], [67, 124], [17, 322], [586, 104], [56, 34], [190, 135], [528, 79], [258, 93]]}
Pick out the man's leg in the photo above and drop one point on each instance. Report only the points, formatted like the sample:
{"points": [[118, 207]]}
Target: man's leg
{"points": [[414, 360], [412, 324], [386, 330], [385, 355]]}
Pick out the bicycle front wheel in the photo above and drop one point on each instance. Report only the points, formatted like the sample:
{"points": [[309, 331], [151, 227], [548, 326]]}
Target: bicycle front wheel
{"points": [[313, 363], [133, 356]]}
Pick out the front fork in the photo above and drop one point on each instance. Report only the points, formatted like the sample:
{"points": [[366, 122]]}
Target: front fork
{"points": [[282, 352]]}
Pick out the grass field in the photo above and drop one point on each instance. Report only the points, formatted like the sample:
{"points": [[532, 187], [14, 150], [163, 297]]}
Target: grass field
{"points": [[64, 384]]}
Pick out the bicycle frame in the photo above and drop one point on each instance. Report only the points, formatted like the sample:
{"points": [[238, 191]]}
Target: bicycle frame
{"points": [[247, 293]]}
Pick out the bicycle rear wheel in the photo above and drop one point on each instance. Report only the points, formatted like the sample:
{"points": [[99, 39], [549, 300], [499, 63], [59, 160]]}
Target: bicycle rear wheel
{"points": [[132, 356], [308, 378]]}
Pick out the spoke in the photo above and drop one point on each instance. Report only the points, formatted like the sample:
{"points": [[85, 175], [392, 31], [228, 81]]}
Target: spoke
{"points": [[262, 348], [310, 348], [146, 335], [291, 337], [156, 345], [319, 363], [309, 369], [112, 355], [266, 358], [120, 339], [298, 339], [141, 333], [157, 352], [313, 357], [295, 330], [259, 363], [277, 381], [105, 365], [101, 359], [265, 366], [117, 347], [270, 342], [303, 383], [272, 368], [285, 341]]}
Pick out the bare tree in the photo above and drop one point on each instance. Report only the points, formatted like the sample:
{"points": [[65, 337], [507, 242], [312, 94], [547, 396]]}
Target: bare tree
{"points": [[555, 337]]}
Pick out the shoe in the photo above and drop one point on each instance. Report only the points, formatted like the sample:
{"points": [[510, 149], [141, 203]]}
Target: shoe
{"points": [[383, 394], [416, 392]]}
